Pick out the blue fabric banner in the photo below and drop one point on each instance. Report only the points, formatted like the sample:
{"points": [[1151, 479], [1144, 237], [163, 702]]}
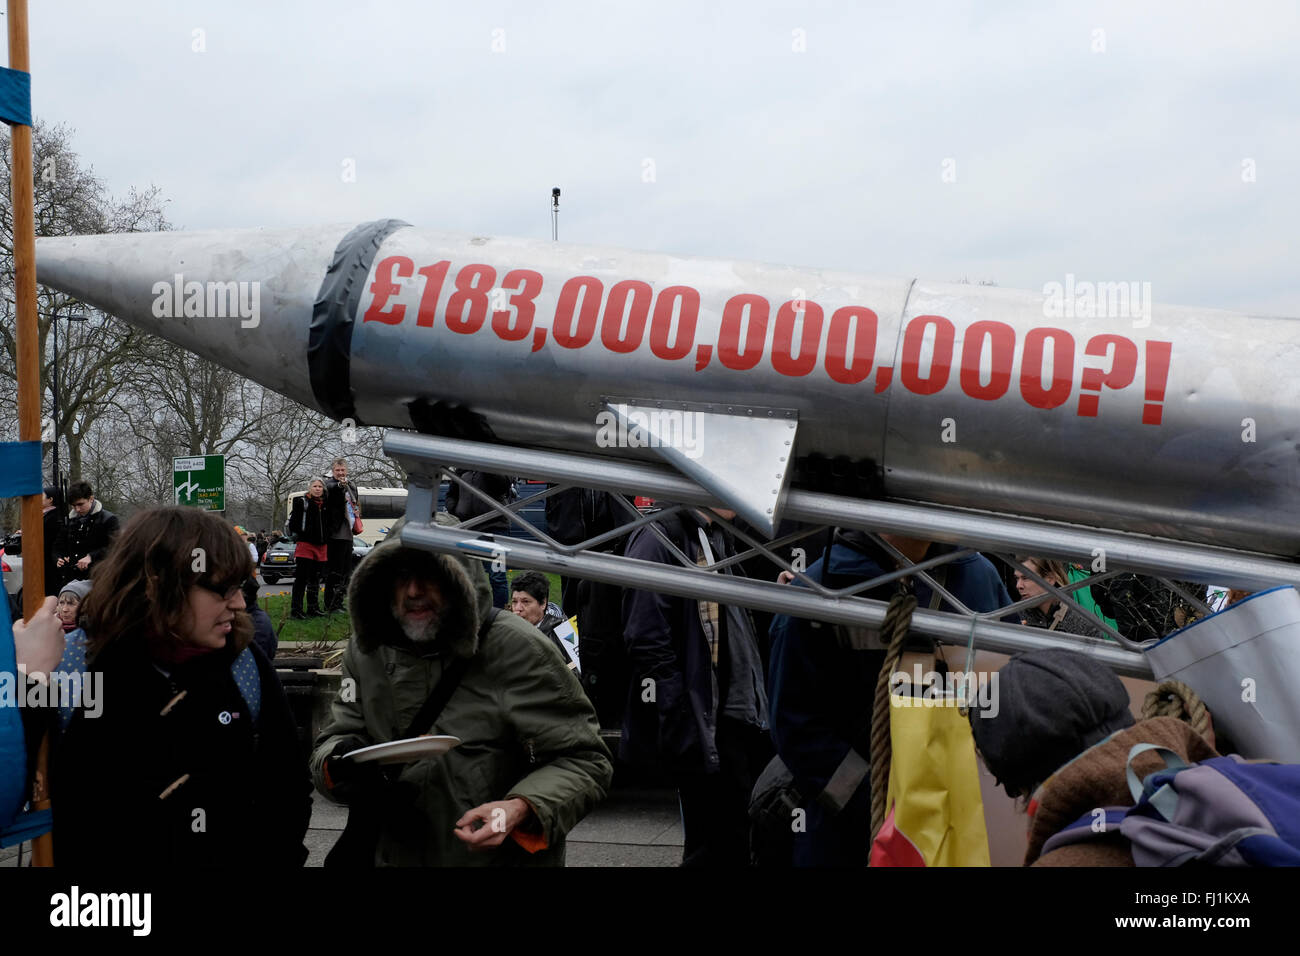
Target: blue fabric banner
{"points": [[15, 97], [13, 750], [20, 468]]}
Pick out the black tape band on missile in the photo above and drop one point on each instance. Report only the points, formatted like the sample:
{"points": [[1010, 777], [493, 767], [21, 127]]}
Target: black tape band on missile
{"points": [[329, 345]]}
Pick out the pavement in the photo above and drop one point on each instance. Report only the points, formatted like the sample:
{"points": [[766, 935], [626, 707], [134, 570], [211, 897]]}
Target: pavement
{"points": [[632, 827]]}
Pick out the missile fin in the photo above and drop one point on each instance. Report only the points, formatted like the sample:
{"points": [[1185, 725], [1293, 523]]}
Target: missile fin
{"points": [[741, 454]]}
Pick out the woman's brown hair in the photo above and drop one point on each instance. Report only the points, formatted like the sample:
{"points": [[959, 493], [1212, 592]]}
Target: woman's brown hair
{"points": [[140, 591], [1049, 568]]}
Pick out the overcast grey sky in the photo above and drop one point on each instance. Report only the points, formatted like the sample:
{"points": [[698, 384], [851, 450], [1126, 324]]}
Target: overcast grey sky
{"points": [[1115, 141]]}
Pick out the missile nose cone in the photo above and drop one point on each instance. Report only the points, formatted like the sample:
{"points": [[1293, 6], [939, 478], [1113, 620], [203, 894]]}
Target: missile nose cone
{"points": [[241, 298]]}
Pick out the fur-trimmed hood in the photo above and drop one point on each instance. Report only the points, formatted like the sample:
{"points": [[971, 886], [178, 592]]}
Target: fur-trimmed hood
{"points": [[463, 582]]}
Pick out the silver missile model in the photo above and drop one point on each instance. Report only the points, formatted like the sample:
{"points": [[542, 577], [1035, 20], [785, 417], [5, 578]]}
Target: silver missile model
{"points": [[1085, 403]]}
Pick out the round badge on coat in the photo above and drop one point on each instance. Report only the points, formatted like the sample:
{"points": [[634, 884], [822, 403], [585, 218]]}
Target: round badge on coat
{"points": [[224, 716]]}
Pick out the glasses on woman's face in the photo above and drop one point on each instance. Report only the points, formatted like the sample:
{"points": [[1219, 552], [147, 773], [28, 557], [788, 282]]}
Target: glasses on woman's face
{"points": [[227, 595]]}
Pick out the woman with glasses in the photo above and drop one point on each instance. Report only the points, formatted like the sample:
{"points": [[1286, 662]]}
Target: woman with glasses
{"points": [[188, 755]]}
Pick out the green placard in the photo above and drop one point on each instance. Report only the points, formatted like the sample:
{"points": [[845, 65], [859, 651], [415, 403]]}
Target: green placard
{"points": [[200, 481]]}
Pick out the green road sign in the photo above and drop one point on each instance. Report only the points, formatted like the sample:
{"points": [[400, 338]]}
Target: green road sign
{"points": [[200, 481]]}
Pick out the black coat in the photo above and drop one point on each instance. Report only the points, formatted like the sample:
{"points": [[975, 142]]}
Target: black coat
{"points": [[264, 633], [247, 801], [666, 645], [87, 535], [336, 512], [53, 521], [466, 506], [308, 523]]}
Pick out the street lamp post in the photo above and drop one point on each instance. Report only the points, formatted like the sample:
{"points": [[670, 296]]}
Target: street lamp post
{"points": [[58, 476]]}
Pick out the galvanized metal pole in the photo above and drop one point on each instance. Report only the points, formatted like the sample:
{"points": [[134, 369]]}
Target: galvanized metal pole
{"points": [[1135, 552], [989, 634]]}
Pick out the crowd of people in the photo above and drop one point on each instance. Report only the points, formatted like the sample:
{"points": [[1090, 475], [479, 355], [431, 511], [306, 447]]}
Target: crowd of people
{"points": [[709, 699]]}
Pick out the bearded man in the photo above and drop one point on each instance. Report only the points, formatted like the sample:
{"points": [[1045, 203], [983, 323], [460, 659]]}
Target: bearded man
{"points": [[530, 763]]}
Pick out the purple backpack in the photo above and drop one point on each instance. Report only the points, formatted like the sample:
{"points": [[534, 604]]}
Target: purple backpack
{"points": [[1220, 812]]}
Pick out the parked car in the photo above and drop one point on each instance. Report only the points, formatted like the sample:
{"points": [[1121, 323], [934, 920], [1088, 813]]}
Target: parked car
{"points": [[278, 562], [533, 513], [11, 562]]}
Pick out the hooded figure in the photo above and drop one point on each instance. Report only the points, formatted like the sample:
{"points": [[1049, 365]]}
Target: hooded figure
{"points": [[527, 731]]}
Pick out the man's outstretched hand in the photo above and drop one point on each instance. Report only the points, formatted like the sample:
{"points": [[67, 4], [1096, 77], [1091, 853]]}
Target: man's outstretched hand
{"points": [[487, 826]]}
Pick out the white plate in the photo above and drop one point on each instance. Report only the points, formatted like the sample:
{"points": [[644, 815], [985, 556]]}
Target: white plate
{"points": [[404, 751]]}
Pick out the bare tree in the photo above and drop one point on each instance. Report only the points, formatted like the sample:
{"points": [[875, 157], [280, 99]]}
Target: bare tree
{"points": [[364, 450], [285, 451], [196, 406], [96, 357]]}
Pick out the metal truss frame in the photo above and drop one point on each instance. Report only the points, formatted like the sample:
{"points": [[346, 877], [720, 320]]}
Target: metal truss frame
{"points": [[426, 459]]}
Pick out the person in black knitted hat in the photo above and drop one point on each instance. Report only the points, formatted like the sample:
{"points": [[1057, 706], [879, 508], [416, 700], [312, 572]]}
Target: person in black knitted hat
{"points": [[1059, 733], [1052, 705]]}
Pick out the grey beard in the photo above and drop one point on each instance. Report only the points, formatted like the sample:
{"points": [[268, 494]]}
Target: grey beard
{"points": [[416, 633]]}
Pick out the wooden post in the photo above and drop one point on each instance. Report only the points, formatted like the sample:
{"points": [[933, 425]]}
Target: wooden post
{"points": [[29, 378]]}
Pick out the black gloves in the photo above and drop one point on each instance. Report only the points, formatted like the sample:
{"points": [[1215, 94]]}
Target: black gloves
{"points": [[347, 780]]}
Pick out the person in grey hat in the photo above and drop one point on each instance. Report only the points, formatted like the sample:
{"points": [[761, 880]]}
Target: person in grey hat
{"points": [[70, 598], [1059, 737]]}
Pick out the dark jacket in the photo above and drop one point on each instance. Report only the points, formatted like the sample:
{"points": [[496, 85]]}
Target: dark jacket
{"points": [[576, 514], [821, 689], [336, 511], [674, 697], [308, 522], [53, 521], [87, 535], [264, 632], [1072, 622], [247, 801], [526, 728], [466, 506], [549, 622]]}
